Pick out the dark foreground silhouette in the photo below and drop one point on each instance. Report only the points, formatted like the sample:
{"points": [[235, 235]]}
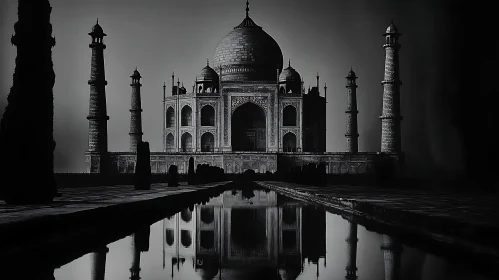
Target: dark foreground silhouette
{"points": [[143, 168], [173, 176], [26, 128]]}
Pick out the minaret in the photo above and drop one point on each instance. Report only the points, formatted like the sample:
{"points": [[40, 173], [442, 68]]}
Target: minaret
{"points": [[97, 117], [352, 134], [352, 240], [136, 112], [317, 81], [164, 116], [390, 118], [99, 263], [392, 252]]}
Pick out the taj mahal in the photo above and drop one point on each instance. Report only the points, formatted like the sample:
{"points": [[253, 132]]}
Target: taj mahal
{"points": [[247, 109]]}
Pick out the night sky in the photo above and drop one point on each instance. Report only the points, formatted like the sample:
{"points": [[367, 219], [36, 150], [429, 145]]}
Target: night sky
{"points": [[328, 37]]}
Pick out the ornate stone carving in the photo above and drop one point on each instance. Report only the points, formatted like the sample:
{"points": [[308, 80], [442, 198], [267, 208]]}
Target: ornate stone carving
{"points": [[292, 130], [248, 89], [261, 101], [210, 130], [294, 104], [211, 103], [182, 131], [226, 120], [272, 121], [183, 104]]}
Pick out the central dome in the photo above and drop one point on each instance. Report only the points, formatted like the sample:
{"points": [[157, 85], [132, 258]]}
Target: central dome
{"points": [[248, 53]]}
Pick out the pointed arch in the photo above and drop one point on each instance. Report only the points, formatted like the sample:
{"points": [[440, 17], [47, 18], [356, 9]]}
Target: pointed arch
{"points": [[186, 142], [207, 142], [289, 116], [170, 117], [186, 116], [289, 142], [170, 143], [207, 116]]}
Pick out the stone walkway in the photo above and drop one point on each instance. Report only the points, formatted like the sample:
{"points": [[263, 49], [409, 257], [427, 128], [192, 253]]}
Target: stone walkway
{"points": [[467, 219], [474, 209], [75, 200]]}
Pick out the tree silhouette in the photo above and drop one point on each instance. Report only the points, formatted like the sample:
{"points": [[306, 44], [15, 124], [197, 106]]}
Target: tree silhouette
{"points": [[26, 129], [143, 167], [191, 175]]}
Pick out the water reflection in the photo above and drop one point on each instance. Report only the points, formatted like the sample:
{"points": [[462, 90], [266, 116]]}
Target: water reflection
{"points": [[245, 234], [392, 256], [259, 235], [352, 240], [99, 263]]}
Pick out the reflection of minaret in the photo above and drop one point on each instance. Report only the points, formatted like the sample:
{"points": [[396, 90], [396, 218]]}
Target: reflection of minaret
{"points": [[135, 269], [314, 233], [140, 243], [99, 263], [352, 252], [179, 242], [392, 251], [290, 241]]}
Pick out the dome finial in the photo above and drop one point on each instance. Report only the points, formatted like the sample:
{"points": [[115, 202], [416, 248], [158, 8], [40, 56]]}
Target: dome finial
{"points": [[247, 8], [97, 20], [207, 62], [289, 63]]}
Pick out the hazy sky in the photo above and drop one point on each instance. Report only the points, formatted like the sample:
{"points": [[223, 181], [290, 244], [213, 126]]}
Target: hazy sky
{"points": [[325, 36]]}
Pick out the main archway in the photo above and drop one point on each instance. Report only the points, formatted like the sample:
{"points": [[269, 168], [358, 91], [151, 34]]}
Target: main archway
{"points": [[249, 128]]}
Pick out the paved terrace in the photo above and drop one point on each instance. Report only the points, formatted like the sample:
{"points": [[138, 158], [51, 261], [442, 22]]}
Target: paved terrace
{"points": [[466, 221], [75, 200], [86, 213]]}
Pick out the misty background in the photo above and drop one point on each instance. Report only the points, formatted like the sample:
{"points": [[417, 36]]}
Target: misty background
{"points": [[329, 37]]}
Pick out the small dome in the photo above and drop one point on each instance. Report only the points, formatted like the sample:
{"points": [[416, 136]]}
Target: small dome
{"points": [[351, 75], [207, 74], [289, 74], [97, 30], [392, 29], [136, 74]]}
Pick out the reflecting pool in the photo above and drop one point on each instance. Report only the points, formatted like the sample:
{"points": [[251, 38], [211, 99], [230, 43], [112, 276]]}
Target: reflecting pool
{"points": [[257, 234]]}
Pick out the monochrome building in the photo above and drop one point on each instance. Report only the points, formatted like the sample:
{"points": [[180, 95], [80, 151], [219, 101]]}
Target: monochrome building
{"points": [[245, 110]]}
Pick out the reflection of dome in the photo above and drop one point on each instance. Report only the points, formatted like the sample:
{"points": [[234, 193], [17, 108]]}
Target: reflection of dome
{"points": [[289, 273], [207, 74], [248, 53], [289, 74], [207, 273]]}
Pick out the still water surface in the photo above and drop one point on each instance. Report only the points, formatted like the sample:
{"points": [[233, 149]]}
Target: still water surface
{"points": [[258, 234]]}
